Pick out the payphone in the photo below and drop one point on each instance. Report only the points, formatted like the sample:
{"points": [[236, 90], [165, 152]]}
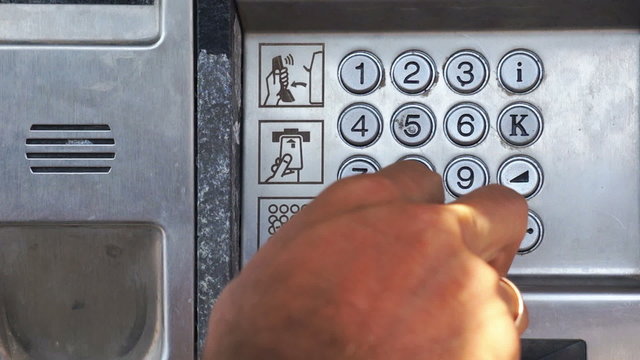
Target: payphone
{"points": [[541, 97], [97, 214]]}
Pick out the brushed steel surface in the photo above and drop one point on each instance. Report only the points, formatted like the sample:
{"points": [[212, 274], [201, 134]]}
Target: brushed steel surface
{"points": [[145, 95], [589, 150], [80, 24]]}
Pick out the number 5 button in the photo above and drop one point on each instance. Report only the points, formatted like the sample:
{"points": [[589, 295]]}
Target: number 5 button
{"points": [[465, 174], [413, 124], [466, 72], [413, 72]]}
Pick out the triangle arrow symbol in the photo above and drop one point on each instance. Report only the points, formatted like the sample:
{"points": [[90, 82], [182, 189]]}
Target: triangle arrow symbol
{"points": [[522, 178]]}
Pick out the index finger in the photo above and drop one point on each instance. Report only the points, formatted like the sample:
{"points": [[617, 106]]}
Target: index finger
{"points": [[406, 180], [493, 220]]}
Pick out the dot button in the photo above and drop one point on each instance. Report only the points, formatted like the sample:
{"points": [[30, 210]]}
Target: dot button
{"points": [[533, 235]]}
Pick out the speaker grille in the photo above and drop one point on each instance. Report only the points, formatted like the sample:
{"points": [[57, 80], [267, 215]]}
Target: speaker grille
{"points": [[70, 149]]}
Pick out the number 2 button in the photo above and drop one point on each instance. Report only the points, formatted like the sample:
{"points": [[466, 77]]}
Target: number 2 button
{"points": [[465, 174], [466, 72], [413, 72]]}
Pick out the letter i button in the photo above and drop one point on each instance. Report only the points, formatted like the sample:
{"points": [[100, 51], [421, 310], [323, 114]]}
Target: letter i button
{"points": [[520, 124]]}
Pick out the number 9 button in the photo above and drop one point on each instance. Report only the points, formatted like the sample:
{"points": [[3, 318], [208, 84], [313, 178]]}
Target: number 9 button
{"points": [[413, 72], [466, 124], [413, 124], [466, 72], [465, 174]]}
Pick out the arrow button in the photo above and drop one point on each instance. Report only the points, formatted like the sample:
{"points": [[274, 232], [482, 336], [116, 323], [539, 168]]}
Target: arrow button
{"points": [[521, 174]]}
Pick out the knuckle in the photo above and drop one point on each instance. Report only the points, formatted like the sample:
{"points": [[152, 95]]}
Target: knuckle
{"points": [[366, 185]]}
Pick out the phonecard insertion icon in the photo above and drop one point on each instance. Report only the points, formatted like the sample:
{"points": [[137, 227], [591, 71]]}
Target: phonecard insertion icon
{"points": [[291, 152], [291, 75], [274, 212]]}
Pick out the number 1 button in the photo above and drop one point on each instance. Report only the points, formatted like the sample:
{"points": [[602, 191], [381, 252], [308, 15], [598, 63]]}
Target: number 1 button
{"points": [[413, 72], [360, 72], [466, 72], [465, 174]]}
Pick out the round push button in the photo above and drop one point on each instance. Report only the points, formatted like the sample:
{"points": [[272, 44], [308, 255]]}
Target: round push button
{"points": [[465, 174], [358, 165], [521, 174], [533, 235], [466, 72], [466, 124], [420, 159], [360, 72], [520, 124], [360, 125], [413, 124], [413, 72], [520, 71]]}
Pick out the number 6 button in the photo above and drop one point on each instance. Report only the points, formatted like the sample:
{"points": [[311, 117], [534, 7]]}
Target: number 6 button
{"points": [[466, 72], [466, 124], [413, 72], [413, 124], [465, 174]]}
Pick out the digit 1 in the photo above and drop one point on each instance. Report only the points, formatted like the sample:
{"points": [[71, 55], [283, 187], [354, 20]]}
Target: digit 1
{"points": [[519, 70], [361, 68]]}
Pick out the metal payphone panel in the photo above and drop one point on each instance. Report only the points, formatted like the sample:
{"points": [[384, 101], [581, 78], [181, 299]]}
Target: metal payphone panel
{"points": [[553, 114], [98, 183]]}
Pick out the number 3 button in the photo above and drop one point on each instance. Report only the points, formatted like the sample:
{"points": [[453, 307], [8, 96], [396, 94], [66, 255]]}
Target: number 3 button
{"points": [[465, 174], [413, 72], [466, 72], [413, 124]]}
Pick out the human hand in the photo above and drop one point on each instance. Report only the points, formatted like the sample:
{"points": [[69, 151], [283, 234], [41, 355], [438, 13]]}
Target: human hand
{"points": [[378, 268]]}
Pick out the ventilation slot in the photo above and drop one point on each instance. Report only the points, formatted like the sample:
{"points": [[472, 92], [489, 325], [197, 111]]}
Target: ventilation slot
{"points": [[70, 149]]}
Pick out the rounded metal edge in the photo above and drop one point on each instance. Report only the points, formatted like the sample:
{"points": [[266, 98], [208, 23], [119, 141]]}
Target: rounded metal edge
{"points": [[421, 159], [485, 117], [536, 219], [354, 158], [428, 59], [529, 160], [427, 110], [521, 51], [370, 55], [367, 106], [475, 159], [528, 106], [479, 56]]}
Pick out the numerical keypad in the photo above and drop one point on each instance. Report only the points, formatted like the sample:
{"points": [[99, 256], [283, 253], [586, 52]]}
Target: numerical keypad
{"points": [[360, 125], [360, 72], [466, 124], [413, 124], [413, 72], [466, 72]]}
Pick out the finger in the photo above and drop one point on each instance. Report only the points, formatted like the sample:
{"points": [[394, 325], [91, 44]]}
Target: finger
{"points": [[493, 220], [406, 180], [283, 166]]}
